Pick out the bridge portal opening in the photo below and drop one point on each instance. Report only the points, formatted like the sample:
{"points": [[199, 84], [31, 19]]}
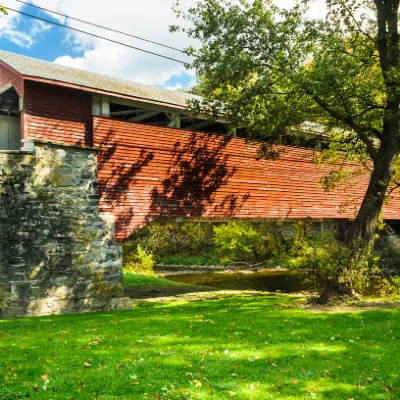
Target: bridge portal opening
{"points": [[10, 132]]}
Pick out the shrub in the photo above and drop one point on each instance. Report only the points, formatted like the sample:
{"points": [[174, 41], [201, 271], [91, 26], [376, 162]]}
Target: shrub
{"points": [[325, 261], [165, 240], [140, 261], [194, 238], [239, 241], [157, 238], [389, 286]]}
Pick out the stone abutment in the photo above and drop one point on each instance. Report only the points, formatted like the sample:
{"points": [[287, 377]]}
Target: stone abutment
{"points": [[57, 251]]}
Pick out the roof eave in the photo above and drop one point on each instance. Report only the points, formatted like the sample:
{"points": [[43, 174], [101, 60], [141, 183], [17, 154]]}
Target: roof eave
{"points": [[103, 92]]}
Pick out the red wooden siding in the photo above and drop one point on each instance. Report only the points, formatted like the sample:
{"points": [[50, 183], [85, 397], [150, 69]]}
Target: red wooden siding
{"points": [[57, 114], [7, 75], [147, 171]]}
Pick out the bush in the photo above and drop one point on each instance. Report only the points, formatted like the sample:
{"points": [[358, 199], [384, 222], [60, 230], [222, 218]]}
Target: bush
{"points": [[325, 261], [140, 261], [165, 240], [156, 238], [191, 260], [239, 241], [195, 238], [389, 286]]}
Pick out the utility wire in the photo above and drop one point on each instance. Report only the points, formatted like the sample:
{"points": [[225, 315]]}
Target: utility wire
{"points": [[97, 36], [99, 26]]}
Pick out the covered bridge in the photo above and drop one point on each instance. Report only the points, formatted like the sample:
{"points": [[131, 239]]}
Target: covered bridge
{"points": [[155, 159]]}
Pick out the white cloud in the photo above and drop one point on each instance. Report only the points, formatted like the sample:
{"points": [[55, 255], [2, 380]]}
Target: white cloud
{"points": [[177, 86], [149, 20], [39, 27], [9, 28]]}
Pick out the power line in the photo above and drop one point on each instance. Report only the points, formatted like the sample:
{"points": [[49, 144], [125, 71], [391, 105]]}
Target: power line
{"points": [[97, 36], [99, 26]]}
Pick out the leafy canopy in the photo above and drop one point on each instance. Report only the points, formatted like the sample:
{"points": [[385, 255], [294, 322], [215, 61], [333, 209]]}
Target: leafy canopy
{"points": [[272, 69]]}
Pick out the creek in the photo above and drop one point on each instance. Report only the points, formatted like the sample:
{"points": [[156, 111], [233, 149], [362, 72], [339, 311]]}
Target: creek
{"points": [[268, 280]]}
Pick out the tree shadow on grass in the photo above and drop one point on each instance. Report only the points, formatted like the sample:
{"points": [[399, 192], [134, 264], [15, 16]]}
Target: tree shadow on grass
{"points": [[248, 347]]}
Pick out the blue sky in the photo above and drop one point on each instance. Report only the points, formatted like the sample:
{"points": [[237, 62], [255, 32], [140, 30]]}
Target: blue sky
{"points": [[23, 35], [149, 19]]}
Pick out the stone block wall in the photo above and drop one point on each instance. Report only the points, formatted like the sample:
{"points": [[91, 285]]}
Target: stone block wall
{"points": [[57, 251]]}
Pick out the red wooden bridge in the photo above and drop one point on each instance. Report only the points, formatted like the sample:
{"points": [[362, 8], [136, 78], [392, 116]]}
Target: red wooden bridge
{"points": [[155, 160]]}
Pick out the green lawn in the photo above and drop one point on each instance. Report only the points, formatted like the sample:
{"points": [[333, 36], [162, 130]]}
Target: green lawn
{"points": [[236, 348], [145, 280]]}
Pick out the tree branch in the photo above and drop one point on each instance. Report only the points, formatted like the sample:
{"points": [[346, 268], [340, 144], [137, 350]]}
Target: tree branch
{"points": [[369, 37], [350, 122]]}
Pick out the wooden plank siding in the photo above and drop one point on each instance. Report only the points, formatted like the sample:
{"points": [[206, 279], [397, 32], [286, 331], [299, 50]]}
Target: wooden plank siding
{"points": [[147, 171], [57, 114], [7, 76]]}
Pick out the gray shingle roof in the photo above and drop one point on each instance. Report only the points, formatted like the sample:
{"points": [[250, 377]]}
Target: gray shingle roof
{"points": [[31, 67]]}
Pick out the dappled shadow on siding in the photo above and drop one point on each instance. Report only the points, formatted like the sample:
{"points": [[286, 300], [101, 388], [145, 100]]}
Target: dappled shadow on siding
{"points": [[197, 171], [171, 175], [121, 176]]}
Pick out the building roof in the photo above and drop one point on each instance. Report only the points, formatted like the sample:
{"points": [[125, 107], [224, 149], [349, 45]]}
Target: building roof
{"points": [[34, 68]]}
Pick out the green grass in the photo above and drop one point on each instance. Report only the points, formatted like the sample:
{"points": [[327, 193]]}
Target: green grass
{"points": [[237, 348], [131, 279]]}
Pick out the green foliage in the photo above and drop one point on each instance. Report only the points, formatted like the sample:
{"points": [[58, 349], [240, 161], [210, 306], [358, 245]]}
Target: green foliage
{"points": [[323, 260], [318, 256], [202, 243], [274, 70], [239, 241], [204, 260], [169, 239], [389, 286], [138, 260]]}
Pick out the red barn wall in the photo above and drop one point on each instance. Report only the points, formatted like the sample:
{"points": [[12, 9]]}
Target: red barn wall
{"points": [[57, 114], [7, 75], [147, 171]]}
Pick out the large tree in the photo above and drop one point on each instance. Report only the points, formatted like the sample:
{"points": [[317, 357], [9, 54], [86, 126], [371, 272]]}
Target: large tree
{"points": [[275, 69]]}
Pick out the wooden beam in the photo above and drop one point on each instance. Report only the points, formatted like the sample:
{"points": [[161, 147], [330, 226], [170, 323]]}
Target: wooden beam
{"points": [[127, 112], [12, 104], [161, 108], [21, 103], [96, 106], [199, 125], [105, 107], [144, 116], [175, 121]]}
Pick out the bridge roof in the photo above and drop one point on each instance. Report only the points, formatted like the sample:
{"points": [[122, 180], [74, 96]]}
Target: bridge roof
{"points": [[59, 74]]}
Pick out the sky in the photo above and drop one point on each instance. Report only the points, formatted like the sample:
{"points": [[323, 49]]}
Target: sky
{"points": [[149, 19]]}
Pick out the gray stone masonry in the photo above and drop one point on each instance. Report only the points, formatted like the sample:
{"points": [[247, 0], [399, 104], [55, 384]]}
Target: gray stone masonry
{"points": [[57, 251]]}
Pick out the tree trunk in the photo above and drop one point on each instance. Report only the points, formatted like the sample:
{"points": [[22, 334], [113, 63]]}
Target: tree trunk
{"points": [[361, 235], [363, 229]]}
